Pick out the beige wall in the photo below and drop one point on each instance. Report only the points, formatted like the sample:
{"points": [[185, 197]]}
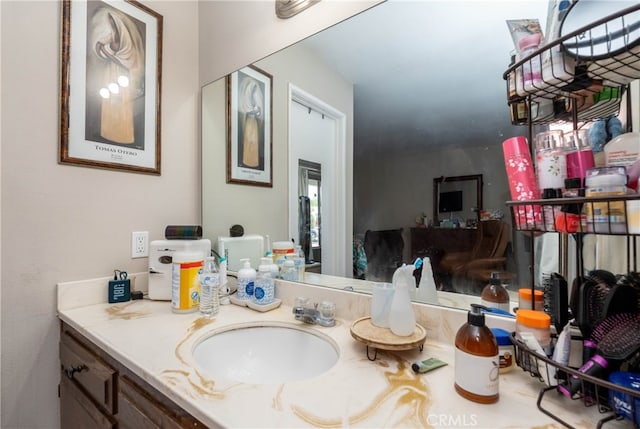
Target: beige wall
{"points": [[63, 223]]}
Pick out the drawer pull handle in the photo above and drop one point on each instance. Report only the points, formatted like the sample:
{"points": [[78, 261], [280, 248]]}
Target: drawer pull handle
{"points": [[71, 371]]}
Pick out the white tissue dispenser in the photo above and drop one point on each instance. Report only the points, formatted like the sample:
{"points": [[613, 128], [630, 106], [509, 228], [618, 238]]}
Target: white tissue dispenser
{"points": [[161, 263]]}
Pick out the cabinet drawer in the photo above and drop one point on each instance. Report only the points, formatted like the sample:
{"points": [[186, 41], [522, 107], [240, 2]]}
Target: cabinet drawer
{"points": [[138, 410], [77, 411], [94, 376]]}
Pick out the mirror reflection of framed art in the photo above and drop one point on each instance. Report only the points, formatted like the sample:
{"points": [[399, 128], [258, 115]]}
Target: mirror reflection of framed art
{"points": [[249, 123]]}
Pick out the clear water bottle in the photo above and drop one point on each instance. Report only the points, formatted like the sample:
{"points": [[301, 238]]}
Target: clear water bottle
{"points": [[209, 284], [300, 261]]}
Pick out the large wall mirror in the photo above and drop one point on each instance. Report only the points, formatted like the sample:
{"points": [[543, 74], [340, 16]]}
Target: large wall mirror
{"points": [[406, 91]]}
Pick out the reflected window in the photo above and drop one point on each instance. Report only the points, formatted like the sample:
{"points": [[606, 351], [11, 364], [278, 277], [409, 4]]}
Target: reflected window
{"points": [[310, 186]]}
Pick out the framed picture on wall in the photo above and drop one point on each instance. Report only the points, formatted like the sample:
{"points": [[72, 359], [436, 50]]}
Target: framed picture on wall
{"points": [[110, 89], [249, 123]]}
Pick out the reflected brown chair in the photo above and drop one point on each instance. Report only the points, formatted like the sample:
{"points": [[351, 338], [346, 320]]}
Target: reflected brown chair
{"points": [[486, 256]]}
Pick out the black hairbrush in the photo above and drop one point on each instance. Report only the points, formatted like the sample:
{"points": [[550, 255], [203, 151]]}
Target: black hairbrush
{"points": [[618, 339], [622, 298], [556, 300], [622, 339], [632, 280], [593, 295]]}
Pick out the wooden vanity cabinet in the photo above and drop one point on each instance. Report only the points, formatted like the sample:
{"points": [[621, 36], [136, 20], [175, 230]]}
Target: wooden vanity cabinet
{"points": [[87, 386], [97, 391]]}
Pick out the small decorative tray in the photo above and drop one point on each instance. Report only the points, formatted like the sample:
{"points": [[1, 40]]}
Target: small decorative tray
{"points": [[254, 306], [366, 332]]}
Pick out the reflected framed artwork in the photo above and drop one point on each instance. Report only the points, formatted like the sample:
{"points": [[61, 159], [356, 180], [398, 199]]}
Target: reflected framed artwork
{"points": [[249, 147], [111, 72]]}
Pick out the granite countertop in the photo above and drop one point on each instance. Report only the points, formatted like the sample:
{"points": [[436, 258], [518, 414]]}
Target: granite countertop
{"points": [[156, 344]]}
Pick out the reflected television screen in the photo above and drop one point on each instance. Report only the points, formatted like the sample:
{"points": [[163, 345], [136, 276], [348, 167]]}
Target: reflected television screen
{"points": [[450, 202]]}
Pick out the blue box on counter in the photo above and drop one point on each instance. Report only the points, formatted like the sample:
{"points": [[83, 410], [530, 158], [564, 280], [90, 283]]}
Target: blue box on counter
{"points": [[622, 403]]}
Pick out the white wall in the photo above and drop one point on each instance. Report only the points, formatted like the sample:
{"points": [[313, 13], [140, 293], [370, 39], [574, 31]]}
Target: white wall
{"points": [[63, 223]]}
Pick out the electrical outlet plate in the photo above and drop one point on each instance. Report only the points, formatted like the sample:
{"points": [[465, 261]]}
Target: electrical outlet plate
{"points": [[139, 244]]}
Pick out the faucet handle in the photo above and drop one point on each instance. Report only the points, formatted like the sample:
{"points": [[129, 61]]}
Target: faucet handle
{"points": [[301, 302], [326, 313]]}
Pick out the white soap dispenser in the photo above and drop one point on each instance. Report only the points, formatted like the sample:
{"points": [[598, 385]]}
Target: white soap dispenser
{"points": [[246, 280], [402, 319]]}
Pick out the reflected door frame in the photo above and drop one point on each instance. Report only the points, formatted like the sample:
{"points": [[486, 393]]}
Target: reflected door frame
{"points": [[336, 236]]}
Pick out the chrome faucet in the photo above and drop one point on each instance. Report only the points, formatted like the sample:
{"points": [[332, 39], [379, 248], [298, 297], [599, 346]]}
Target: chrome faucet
{"points": [[325, 316]]}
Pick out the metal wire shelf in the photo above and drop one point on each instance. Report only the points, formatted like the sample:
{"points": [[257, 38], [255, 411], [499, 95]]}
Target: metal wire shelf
{"points": [[593, 391], [576, 84]]}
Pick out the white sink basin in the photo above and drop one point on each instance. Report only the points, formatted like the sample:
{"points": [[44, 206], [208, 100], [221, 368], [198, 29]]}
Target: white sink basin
{"points": [[266, 354]]}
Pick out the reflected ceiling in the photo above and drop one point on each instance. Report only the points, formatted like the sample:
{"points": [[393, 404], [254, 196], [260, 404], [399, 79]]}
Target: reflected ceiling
{"points": [[417, 66]]}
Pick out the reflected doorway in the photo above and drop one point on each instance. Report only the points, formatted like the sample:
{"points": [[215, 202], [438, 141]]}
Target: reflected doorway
{"points": [[317, 133]]}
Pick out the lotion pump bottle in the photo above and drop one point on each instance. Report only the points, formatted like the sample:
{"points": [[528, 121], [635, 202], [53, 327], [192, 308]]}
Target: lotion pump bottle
{"points": [[246, 280], [494, 295], [402, 319], [477, 361]]}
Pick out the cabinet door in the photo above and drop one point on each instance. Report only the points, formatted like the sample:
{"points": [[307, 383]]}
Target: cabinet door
{"points": [[77, 411], [96, 377], [139, 410]]}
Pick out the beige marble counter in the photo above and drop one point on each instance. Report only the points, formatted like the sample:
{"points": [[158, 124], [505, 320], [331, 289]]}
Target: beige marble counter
{"points": [[156, 344]]}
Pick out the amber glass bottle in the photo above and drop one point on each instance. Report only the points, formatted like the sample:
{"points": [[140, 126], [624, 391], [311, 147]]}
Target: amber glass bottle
{"points": [[477, 363], [494, 294]]}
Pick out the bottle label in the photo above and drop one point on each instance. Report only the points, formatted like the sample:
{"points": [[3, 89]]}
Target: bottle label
{"points": [[477, 374], [185, 285], [259, 292], [248, 289], [504, 306], [210, 279], [506, 358], [243, 284]]}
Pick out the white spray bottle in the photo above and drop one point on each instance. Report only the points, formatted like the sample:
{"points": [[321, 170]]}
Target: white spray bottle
{"points": [[427, 291], [402, 319]]}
